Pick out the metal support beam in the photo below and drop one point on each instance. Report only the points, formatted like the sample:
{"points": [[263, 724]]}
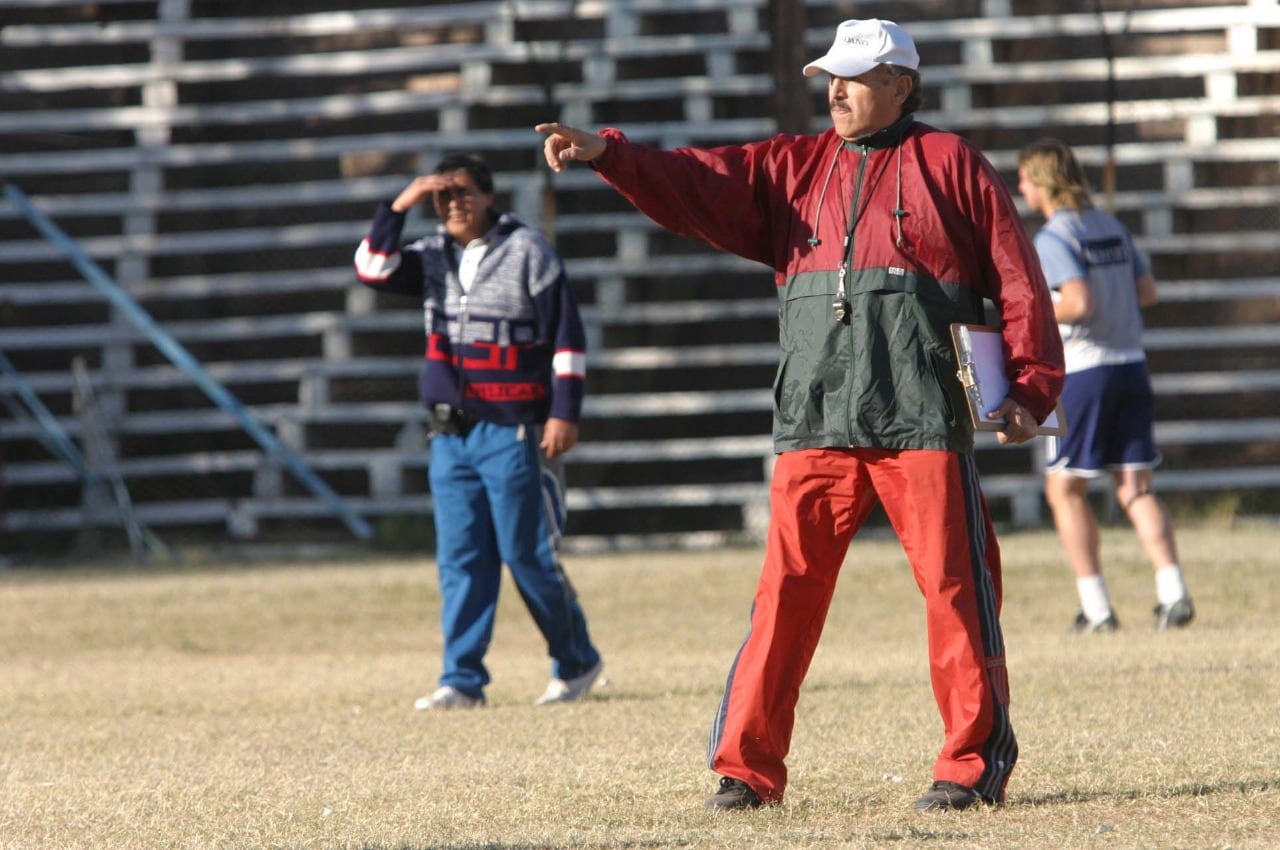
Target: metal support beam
{"points": [[183, 359]]}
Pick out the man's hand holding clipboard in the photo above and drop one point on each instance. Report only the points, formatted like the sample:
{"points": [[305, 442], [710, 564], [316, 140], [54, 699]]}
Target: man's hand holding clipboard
{"points": [[1019, 425], [980, 354]]}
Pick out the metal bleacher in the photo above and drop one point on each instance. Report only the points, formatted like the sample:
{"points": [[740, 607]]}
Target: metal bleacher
{"points": [[222, 159]]}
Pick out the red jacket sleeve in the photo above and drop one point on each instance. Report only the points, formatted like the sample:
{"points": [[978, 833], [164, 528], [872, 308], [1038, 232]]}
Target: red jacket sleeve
{"points": [[1032, 344], [716, 195]]}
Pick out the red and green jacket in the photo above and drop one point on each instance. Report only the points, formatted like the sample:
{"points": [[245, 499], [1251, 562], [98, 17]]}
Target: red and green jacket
{"points": [[932, 231]]}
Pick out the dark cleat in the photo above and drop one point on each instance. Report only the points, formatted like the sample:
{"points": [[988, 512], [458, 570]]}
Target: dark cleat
{"points": [[734, 794], [1083, 625], [947, 796], [1175, 616]]}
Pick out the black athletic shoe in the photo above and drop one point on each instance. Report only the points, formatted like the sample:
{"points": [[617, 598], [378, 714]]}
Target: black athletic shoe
{"points": [[946, 796], [734, 794], [1083, 625], [1175, 616]]}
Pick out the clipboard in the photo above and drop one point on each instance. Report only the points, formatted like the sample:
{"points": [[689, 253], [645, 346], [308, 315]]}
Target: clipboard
{"points": [[980, 355]]}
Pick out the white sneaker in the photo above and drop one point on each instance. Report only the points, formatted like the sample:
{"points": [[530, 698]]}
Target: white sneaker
{"points": [[571, 690], [447, 698]]}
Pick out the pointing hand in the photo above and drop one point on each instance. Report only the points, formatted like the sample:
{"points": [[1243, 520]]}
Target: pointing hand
{"points": [[565, 144]]}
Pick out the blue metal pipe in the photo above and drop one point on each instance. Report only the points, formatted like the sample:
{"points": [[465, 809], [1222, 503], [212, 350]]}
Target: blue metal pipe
{"points": [[53, 436], [183, 359]]}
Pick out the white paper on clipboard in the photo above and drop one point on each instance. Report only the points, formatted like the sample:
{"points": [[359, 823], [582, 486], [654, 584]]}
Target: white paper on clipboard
{"points": [[980, 355]]}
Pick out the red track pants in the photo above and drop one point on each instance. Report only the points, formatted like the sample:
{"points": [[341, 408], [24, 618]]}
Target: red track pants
{"points": [[819, 498]]}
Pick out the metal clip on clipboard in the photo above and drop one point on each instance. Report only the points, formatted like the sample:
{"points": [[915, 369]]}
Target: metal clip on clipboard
{"points": [[978, 354], [967, 373]]}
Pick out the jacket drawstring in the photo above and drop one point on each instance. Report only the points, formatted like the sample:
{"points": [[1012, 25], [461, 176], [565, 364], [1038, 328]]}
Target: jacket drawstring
{"points": [[817, 219], [899, 213]]}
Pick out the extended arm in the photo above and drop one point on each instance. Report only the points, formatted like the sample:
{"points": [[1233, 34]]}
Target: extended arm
{"points": [[719, 196]]}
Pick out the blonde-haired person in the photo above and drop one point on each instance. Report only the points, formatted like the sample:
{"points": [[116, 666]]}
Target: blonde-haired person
{"points": [[1100, 283]]}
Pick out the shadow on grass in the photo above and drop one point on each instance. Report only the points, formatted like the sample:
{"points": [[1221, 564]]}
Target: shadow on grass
{"points": [[623, 696], [1196, 789], [916, 834], [607, 693]]}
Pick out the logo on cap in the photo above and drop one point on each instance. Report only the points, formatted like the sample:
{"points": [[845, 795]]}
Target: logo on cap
{"points": [[860, 46]]}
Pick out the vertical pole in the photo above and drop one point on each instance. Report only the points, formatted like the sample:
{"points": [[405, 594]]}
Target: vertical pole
{"points": [[788, 53], [105, 468], [1109, 51]]}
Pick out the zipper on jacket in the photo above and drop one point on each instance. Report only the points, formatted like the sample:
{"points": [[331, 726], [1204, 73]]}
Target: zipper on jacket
{"points": [[843, 307], [460, 355]]}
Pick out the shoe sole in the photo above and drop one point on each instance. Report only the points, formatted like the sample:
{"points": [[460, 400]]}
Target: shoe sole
{"points": [[948, 800], [714, 805], [922, 806], [426, 704], [570, 696]]}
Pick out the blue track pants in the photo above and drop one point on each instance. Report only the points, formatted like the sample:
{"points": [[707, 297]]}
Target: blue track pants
{"points": [[496, 502]]}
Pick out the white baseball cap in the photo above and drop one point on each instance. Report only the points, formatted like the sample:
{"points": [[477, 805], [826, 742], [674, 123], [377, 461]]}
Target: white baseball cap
{"points": [[862, 45]]}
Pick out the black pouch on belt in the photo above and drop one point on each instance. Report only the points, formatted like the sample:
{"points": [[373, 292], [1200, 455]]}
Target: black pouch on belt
{"points": [[447, 419]]}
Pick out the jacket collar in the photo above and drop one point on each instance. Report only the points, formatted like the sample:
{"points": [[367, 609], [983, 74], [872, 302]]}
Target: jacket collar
{"points": [[501, 224], [888, 137]]}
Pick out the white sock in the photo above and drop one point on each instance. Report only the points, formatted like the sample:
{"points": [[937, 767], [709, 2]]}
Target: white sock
{"points": [[1169, 584], [1094, 600]]}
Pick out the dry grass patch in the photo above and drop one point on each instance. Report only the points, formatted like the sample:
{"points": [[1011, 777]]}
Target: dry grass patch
{"points": [[269, 707]]}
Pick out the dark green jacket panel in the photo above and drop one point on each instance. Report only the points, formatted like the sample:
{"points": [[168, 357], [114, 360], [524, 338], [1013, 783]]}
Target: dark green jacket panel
{"points": [[887, 379]]}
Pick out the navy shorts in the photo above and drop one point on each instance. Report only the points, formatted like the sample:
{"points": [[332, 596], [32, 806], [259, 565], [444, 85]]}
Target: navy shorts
{"points": [[1110, 412]]}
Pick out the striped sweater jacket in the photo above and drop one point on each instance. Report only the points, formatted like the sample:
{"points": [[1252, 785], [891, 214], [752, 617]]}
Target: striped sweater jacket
{"points": [[513, 349]]}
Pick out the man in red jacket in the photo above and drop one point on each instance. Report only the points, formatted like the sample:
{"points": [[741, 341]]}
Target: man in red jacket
{"points": [[881, 232]]}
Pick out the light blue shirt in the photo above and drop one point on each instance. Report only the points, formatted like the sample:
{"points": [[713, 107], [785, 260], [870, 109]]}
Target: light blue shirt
{"points": [[1095, 247]]}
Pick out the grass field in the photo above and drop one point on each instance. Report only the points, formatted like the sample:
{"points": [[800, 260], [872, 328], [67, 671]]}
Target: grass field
{"points": [[269, 706]]}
